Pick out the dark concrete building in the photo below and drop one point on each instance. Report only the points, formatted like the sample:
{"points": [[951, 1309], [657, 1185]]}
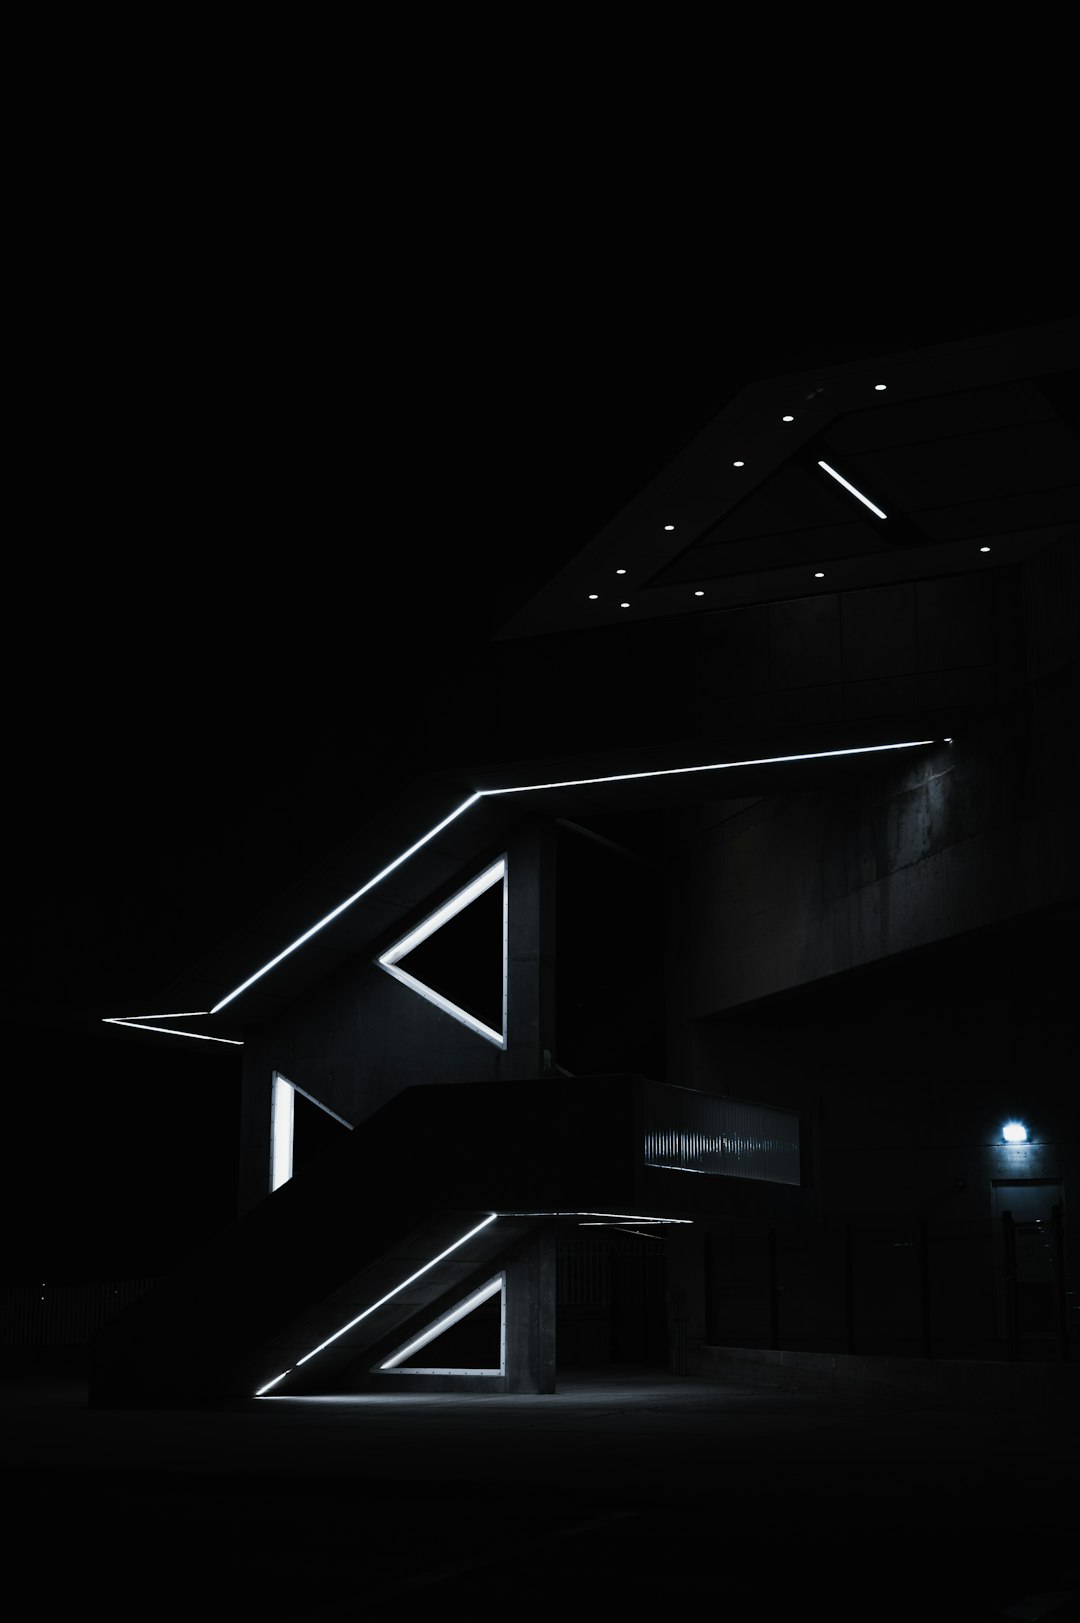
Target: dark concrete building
{"points": [[705, 996]]}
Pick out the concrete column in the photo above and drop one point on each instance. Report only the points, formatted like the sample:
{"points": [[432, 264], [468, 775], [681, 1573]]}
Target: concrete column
{"points": [[530, 1313], [531, 949]]}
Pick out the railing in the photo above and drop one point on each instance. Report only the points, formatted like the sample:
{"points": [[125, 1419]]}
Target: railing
{"points": [[65, 1315], [934, 1289], [686, 1131]]}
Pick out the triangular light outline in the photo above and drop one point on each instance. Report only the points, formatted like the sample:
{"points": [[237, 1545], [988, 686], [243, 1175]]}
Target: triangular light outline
{"points": [[468, 1304], [389, 960], [282, 1119]]}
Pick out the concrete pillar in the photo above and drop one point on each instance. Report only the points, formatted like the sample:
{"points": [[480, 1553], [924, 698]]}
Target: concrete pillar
{"points": [[530, 1313]]}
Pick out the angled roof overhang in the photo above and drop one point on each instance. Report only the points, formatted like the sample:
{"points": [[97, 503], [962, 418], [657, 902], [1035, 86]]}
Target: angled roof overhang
{"points": [[967, 447], [960, 447]]}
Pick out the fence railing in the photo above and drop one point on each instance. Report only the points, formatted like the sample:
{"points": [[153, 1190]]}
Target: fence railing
{"points": [[913, 1288], [64, 1315]]}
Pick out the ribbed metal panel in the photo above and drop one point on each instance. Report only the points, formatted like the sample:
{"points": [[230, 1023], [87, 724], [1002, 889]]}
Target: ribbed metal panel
{"points": [[698, 1132], [63, 1315]]}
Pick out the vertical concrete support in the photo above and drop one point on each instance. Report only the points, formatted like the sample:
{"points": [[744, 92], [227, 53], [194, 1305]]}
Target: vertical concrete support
{"points": [[530, 1314], [531, 949]]}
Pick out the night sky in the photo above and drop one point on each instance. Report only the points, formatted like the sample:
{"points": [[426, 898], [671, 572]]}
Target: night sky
{"points": [[271, 498]]}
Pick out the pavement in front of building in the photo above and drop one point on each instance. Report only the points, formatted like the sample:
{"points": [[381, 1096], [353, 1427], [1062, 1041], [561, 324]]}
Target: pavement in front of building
{"points": [[626, 1493]]}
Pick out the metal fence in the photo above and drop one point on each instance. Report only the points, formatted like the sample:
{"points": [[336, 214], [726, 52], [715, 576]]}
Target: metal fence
{"points": [[65, 1315], [965, 1289]]}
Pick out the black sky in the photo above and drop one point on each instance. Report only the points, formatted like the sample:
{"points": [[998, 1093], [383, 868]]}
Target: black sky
{"points": [[269, 497]]}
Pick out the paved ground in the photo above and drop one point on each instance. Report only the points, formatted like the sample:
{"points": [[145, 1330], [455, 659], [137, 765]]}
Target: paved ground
{"points": [[624, 1494]]}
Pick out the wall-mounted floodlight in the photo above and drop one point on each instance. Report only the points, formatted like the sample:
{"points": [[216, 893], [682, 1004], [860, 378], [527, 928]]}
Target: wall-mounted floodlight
{"points": [[1014, 1132]]}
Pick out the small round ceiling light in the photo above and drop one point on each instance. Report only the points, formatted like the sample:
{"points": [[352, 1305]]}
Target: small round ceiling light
{"points": [[593, 596], [699, 594], [819, 574], [738, 464], [620, 571], [669, 526], [1014, 1132], [984, 549], [789, 418], [624, 605], [880, 386]]}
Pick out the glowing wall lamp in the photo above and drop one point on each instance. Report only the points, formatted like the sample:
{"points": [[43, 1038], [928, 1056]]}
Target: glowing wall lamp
{"points": [[1014, 1132]]}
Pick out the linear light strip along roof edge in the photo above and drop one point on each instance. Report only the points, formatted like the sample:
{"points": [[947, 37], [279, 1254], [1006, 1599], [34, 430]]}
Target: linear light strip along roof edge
{"points": [[168, 1031], [349, 900], [530, 788]]}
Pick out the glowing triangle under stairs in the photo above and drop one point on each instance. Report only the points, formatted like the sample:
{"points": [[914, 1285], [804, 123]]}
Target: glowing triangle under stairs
{"points": [[395, 1364], [282, 1126], [390, 960]]}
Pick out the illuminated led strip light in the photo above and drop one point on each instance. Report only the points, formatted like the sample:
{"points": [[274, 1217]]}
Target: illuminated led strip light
{"points": [[443, 1322], [139, 1023], [530, 788], [442, 915], [858, 493], [622, 1217], [282, 1124], [382, 1299]]}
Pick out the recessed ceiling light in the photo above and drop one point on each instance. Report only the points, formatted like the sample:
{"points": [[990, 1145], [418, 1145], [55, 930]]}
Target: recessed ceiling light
{"points": [[699, 594], [789, 419], [669, 526], [593, 596], [984, 549], [738, 464], [879, 386], [620, 571], [624, 605], [819, 574]]}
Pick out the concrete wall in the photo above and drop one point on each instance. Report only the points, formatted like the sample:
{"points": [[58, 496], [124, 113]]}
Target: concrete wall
{"points": [[360, 1037], [893, 958], [938, 842]]}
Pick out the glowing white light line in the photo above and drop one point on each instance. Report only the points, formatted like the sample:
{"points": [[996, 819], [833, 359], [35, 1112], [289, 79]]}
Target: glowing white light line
{"points": [[445, 1320], [199, 1036], [274, 1382], [528, 788], [179, 1014], [449, 909], [427, 927], [629, 1217], [712, 766], [282, 1130], [842, 481], [348, 902], [368, 1310], [444, 1003]]}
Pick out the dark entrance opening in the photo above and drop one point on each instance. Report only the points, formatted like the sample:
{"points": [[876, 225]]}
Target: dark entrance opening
{"points": [[611, 1300]]}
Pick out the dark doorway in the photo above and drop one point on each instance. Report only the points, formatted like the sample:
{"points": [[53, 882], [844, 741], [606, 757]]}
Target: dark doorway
{"points": [[611, 1300]]}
